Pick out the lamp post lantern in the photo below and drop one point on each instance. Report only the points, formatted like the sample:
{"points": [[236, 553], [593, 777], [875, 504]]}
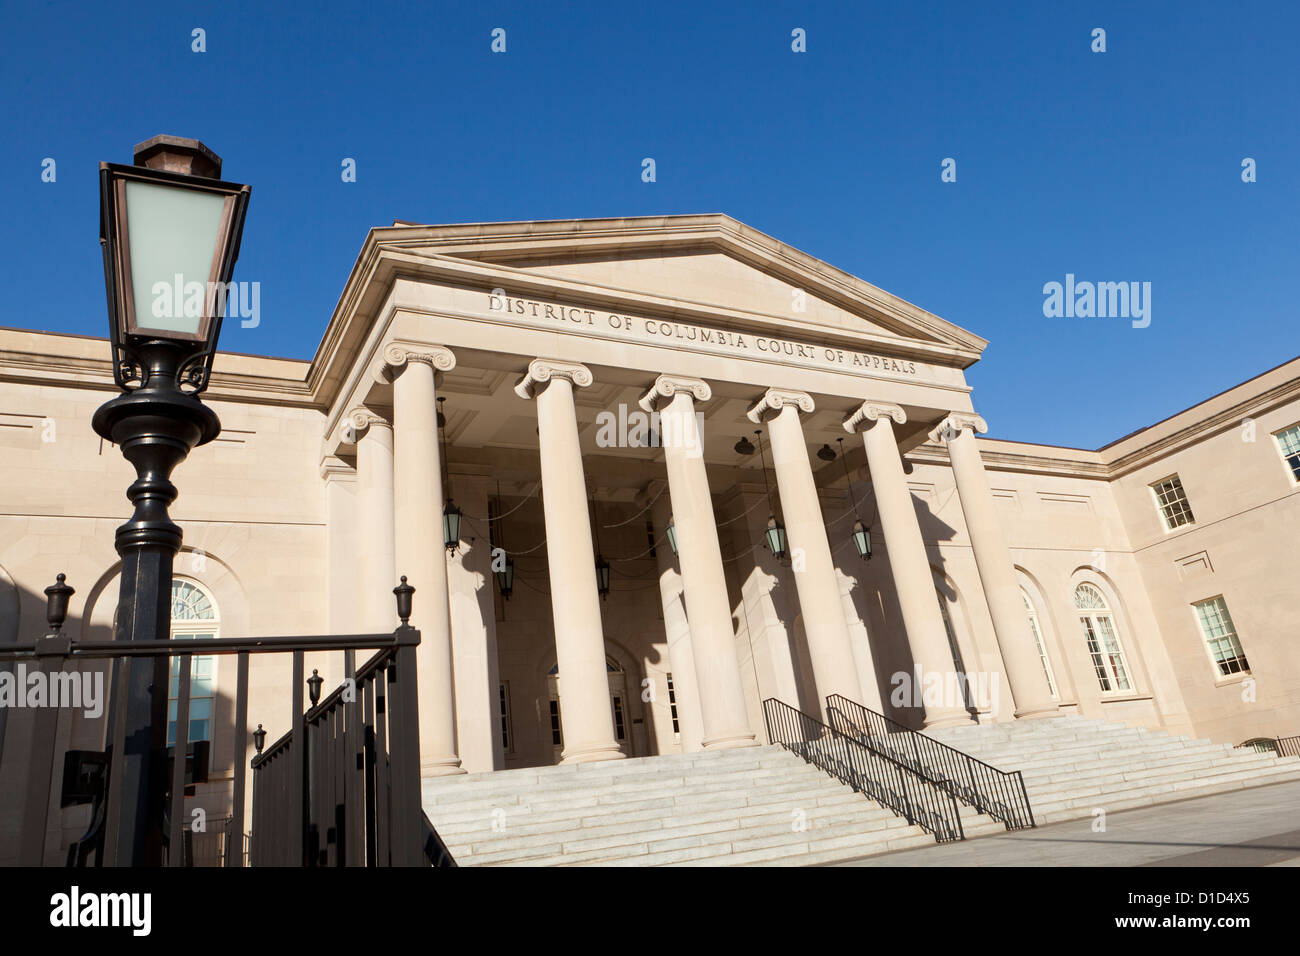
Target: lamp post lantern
{"points": [[170, 231]]}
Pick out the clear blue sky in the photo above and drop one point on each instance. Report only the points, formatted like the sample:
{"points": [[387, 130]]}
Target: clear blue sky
{"points": [[1122, 166]]}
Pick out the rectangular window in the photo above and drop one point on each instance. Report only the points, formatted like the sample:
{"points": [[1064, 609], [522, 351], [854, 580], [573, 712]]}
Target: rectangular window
{"points": [[1288, 440], [1103, 648], [1221, 637], [1172, 502], [619, 732], [556, 739], [503, 711], [203, 693], [672, 705]]}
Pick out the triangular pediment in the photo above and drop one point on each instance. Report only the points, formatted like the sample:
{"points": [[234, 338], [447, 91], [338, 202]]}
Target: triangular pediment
{"points": [[702, 261]]}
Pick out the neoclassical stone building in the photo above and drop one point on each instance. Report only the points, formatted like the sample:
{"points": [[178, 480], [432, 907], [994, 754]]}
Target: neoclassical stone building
{"points": [[642, 401]]}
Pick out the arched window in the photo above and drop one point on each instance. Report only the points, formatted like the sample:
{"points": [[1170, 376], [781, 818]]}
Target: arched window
{"points": [[1039, 644], [1099, 631], [194, 617]]}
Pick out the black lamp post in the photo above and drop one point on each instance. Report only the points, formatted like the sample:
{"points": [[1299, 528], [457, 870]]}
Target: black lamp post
{"points": [[775, 533], [170, 231], [506, 578], [861, 533], [451, 526], [602, 576]]}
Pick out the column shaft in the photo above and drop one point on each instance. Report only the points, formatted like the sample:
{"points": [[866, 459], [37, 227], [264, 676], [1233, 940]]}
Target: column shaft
{"points": [[713, 640], [422, 558], [586, 718], [1029, 688], [913, 579], [677, 632], [820, 603], [377, 574]]}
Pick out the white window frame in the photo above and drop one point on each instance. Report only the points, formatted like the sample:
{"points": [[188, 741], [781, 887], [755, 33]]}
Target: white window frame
{"points": [[1036, 630], [187, 629], [1292, 471], [1232, 636], [1093, 634], [1162, 505]]}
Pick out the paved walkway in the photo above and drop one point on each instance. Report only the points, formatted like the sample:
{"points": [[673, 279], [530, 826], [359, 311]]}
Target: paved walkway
{"points": [[1252, 827]]}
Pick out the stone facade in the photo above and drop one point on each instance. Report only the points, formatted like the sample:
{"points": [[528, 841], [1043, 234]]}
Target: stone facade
{"points": [[554, 345]]}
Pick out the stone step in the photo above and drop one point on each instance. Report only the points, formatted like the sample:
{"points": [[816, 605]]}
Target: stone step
{"points": [[443, 795], [866, 815], [1073, 805], [766, 806], [583, 848], [1153, 760]]}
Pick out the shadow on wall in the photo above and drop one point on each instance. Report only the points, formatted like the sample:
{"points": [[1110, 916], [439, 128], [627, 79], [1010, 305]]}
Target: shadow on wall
{"points": [[22, 618], [876, 600]]}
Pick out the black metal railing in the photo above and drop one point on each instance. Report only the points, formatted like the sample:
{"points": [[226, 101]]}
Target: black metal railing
{"points": [[908, 793], [1288, 746], [348, 795], [999, 793], [342, 786]]}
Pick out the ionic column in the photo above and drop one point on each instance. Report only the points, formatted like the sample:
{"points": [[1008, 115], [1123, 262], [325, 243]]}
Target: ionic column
{"points": [[908, 563], [1029, 688], [375, 557], [421, 555], [585, 715], [343, 605], [677, 629], [834, 667], [713, 641]]}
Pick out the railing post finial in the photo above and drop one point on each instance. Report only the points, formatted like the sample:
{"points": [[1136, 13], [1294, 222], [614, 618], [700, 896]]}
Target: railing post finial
{"points": [[56, 602], [404, 592]]}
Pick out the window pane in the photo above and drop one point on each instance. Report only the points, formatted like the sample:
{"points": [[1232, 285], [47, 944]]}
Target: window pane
{"points": [[1173, 502], [1289, 441], [1221, 637]]}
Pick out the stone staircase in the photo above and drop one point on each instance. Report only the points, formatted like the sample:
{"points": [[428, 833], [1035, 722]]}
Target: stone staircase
{"points": [[759, 805], [766, 806], [1073, 765]]}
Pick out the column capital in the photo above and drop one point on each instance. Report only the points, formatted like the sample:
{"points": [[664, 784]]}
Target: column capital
{"points": [[775, 399], [399, 353], [666, 386], [870, 412], [541, 371], [954, 424], [360, 420]]}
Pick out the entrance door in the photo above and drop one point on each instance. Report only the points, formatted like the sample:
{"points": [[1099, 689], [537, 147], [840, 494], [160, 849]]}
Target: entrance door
{"points": [[617, 706]]}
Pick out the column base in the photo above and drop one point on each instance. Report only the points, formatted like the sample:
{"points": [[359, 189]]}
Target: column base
{"points": [[1051, 711], [962, 719], [592, 754], [730, 742], [440, 766]]}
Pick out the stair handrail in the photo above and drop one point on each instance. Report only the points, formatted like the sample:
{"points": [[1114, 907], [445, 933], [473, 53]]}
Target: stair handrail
{"points": [[911, 795], [998, 793]]}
